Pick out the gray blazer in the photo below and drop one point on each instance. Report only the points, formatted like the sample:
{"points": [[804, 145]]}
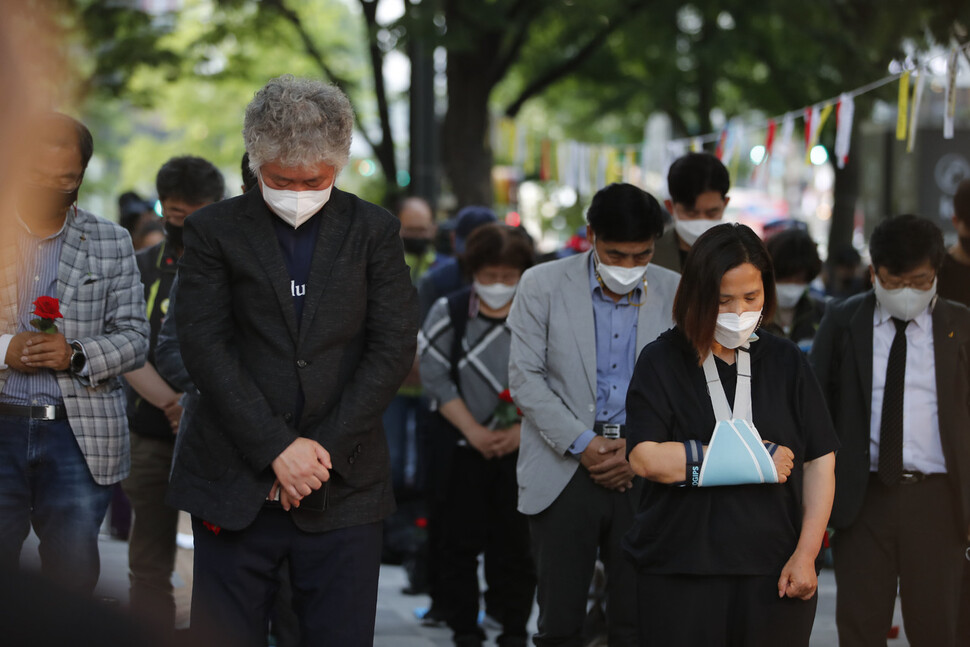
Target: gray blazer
{"points": [[101, 297], [248, 355], [552, 366]]}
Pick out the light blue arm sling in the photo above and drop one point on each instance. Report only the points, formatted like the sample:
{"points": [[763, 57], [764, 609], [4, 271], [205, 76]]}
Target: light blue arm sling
{"points": [[736, 454]]}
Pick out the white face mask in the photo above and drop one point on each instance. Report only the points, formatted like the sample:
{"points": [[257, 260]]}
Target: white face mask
{"points": [[904, 303], [789, 294], [295, 207], [732, 330], [619, 280], [497, 295], [690, 230]]}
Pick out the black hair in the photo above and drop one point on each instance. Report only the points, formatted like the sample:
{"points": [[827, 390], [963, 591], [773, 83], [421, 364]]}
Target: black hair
{"points": [[905, 242], [130, 208], [793, 253], [497, 244], [845, 255], [720, 249], [961, 202], [694, 174], [249, 179], [192, 179], [623, 213]]}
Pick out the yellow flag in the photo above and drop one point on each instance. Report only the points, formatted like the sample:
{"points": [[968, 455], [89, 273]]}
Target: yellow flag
{"points": [[816, 130], [902, 111]]}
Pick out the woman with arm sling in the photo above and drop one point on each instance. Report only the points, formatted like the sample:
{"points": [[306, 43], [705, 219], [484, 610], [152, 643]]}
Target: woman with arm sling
{"points": [[731, 564]]}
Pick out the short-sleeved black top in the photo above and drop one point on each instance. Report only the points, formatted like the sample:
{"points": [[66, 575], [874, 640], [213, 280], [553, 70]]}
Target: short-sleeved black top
{"points": [[734, 530]]}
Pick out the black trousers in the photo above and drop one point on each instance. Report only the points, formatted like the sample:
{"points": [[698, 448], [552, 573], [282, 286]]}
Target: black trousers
{"points": [[721, 611], [963, 628], [584, 521], [333, 574], [906, 535], [479, 515]]}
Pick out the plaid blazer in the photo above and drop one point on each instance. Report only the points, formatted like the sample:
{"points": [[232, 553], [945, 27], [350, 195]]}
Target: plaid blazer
{"points": [[102, 300]]}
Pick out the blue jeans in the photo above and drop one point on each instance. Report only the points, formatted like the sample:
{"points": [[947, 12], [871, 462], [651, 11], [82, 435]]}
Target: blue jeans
{"points": [[45, 482]]}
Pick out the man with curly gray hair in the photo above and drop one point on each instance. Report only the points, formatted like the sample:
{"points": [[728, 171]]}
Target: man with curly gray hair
{"points": [[296, 321]]}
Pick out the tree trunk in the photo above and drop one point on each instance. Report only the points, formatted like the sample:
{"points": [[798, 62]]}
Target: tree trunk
{"points": [[846, 195], [422, 124], [466, 150]]}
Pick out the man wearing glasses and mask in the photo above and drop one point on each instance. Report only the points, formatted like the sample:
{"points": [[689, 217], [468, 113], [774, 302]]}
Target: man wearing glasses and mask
{"points": [[893, 365], [63, 430]]}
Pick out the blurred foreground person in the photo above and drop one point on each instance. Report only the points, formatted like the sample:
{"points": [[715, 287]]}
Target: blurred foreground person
{"points": [[296, 320], [77, 323]]}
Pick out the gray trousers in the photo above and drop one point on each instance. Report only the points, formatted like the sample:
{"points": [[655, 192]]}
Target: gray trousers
{"points": [[584, 522]]}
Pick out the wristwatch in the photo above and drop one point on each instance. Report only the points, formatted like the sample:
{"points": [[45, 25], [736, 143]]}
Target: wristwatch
{"points": [[78, 360]]}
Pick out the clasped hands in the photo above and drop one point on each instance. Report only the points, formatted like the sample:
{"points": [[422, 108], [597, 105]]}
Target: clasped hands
{"points": [[29, 352], [301, 468], [605, 460], [493, 443]]}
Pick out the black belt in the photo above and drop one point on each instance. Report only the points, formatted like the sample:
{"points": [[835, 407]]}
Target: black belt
{"points": [[911, 478], [36, 412], [610, 430], [908, 478]]}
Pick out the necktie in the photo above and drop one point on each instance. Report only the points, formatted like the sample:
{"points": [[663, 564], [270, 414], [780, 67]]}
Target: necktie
{"points": [[891, 430]]}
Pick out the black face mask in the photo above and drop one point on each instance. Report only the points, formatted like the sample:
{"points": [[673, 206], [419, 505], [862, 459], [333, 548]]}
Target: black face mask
{"points": [[173, 234], [416, 245], [42, 201]]}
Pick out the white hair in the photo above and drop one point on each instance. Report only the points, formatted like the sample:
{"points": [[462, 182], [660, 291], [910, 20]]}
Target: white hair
{"points": [[298, 123]]}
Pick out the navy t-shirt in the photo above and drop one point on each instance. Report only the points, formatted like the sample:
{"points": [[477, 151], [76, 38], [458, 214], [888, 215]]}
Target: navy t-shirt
{"points": [[297, 246], [733, 530]]}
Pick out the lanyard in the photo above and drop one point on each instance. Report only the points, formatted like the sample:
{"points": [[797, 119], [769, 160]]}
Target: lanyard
{"points": [[742, 395]]}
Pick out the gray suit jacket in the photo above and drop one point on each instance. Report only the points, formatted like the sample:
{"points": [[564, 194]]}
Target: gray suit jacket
{"points": [[100, 293], [552, 366], [248, 355]]}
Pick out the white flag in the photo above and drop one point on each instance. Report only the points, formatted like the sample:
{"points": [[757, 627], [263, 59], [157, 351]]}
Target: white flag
{"points": [[950, 106], [843, 132]]}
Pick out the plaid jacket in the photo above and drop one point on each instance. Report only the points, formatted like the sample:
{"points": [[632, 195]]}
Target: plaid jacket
{"points": [[101, 298]]}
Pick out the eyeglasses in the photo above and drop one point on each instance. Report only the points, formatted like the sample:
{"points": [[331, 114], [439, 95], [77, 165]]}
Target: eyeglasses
{"points": [[921, 282]]}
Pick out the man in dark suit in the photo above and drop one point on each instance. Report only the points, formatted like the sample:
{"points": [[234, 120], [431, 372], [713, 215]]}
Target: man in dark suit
{"points": [[893, 362], [296, 320]]}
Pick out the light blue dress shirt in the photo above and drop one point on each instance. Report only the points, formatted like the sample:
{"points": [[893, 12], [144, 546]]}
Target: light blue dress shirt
{"points": [[37, 278], [616, 349]]}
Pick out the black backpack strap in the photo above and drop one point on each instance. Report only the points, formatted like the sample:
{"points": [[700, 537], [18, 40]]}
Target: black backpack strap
{"points": [[458, 303]]}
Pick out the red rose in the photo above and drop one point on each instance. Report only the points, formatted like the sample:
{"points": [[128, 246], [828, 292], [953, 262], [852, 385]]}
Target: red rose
{"points": [[47, 308], [212, 527], [506, 396]]}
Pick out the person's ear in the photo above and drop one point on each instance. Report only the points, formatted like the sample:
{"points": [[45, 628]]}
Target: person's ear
{"points": [[727, 199], [590, 235], [872, 274], [669, 206]]}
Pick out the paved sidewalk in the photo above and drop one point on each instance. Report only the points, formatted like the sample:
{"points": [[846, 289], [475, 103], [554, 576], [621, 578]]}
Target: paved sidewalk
{"points": [[396, 624]]}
